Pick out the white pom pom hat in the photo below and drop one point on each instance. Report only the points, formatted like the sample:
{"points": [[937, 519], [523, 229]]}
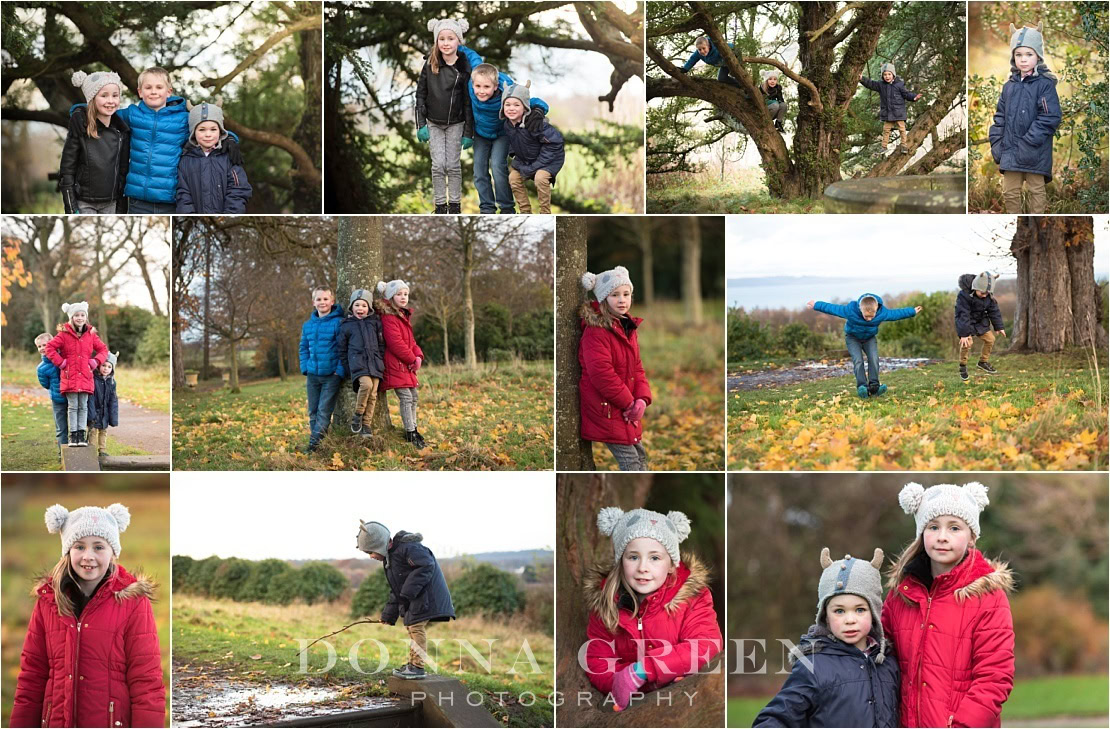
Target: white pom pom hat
{"points": [[926, 504], [71, 309], [624, 526], [603, 283], [389, 290], [456, 26], [88, 521], [91, 83]]}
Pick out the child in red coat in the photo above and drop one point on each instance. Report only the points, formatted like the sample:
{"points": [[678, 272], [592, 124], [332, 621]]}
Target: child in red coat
{"points": [[651, 612], [948, 615], [91, 655], [613, 391], [403, 356], [77, 351]]}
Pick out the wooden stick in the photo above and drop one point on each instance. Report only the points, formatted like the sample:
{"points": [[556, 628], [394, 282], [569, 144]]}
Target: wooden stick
{"points": [[345, 627]]}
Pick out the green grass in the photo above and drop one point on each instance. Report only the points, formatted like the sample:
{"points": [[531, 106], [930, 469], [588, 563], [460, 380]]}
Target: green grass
{"points": [[226, 636], [1040, 412], [741, 191], [498, 416], [146, 386]]}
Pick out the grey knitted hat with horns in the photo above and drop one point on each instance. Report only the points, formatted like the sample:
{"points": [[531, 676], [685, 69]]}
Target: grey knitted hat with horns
{"points": [[1027, 38], [851, 576]]}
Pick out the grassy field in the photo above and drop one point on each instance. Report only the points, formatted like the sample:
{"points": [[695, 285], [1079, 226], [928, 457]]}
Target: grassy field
{"points": [[147, 387], [741, 191], [498, 416], [684, 426], [1041, 412], [257, 643], [29, 551]]}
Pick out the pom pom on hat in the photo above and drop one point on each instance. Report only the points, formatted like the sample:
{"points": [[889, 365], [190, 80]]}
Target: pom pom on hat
{"points": [[909, 498], [978, 493], [681, 524], [588, 280], [122, 516], [56, 517], [78, 77], [608, 518]]}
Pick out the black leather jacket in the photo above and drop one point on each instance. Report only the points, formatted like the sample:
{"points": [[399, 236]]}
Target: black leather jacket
{"points": [[442, 98], [94, 170]]}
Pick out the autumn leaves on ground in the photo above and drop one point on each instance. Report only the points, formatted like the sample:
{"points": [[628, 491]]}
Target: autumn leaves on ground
{"points": [[1041, 412]]}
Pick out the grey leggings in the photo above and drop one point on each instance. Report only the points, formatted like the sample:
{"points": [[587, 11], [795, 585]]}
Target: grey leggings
{"points": [[629, 457], [78, 410], [84, 207], [406, 397], [446, 145]]}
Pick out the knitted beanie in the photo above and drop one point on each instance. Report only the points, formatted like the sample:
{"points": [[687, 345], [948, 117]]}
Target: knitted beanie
{"points": [[887, 67], [206, 112], [360, 294], [88, 521], [851, 576], [984, 282], [944, 500], [458, 27], [373, 536], [91, 83], [71, 309], [769, 73], [624, 526], [602, 284], [520, 92], [1027, 38], [389, 290], [112, 359]]}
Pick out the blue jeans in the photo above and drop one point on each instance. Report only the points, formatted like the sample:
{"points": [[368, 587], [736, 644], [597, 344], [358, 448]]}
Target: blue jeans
{"points": [[147, 207], [77, 410], [495, 151], [725, 77], [858, 348], [322, 391], [61, 421]]}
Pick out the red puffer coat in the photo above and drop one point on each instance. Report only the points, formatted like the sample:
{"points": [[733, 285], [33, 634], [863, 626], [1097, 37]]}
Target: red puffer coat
{"points": [[677, 625], [612, 377], [955, 643], [76, 350], [105, 670], [401, 349]]}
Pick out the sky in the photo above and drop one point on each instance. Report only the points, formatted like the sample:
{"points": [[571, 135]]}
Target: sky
{"points": [[299, 516]]}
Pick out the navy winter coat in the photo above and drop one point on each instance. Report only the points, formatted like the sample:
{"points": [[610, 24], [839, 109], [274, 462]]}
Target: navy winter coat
{"points": [[531, 151], [892, 97], [713, 58], [487, 114], [1025, 122], [319, 352], [211, 183], [846, 687], [361, 347], [417, 589], [103, 404], [855, 324], [156, 141], [975, 316], [50, 377]]}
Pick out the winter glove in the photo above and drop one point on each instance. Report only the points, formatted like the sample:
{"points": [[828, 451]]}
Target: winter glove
{"points": [[625, 684], [467, 143], [534, 121], [93, 364], [64, 363], [635, 411], [416, 364], [423, 135]]}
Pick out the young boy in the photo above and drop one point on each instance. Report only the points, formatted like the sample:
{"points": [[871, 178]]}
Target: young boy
{"points": [[417, 590], [210, 176], [320, 362], [159, 127], [491, 145], [103, 405], [537, 155], [362, 350], [893, 96], [50, 377], [826, 686], [977, 315], [704, 50], [862, 319]]}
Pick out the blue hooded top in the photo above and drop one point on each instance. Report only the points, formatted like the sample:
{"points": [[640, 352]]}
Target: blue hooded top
{"points": [[487, 119], [713, 58], [319, 350], [855, 324]]}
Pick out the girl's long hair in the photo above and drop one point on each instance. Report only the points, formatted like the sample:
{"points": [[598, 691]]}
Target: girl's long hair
{"points": [[908, 554], [435, 60], [610, 609], [58, 575], [90, 126]]}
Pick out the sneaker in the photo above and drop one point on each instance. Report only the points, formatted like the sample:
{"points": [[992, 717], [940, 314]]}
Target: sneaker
{"points": [[410, 672], [987, 367], [441, 209], [82, 439], [312, 446], [881, 390], [454, 208], [862, 390], [903, 149], [365, 431], [963, 373], [356, 423], [507, 211], [74, 439], [418, 440]]}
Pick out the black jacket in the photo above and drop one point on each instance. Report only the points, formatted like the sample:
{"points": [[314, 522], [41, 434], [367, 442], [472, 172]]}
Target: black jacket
{"points": [[975, 316], [103, 404], [417, 589], [362, 347], [892, 97], [94, 170], [442, 98], [772, 94], [212, 183]]}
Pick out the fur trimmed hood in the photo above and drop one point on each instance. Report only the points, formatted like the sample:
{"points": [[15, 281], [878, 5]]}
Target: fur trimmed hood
{"points": [[692, 577], [975, 577], [385, 307], [123, 585], [592, 314], [1001, 578]]}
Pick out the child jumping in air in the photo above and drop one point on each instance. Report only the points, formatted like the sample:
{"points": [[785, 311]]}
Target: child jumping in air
{"points": [[861, 328], [403, 356], [444, 116], [210, 176], [91, 655], [537, 152], [159, 128], [893, 96], [362, 348], [1025, 122], [96, 151], [417, 590], [652, 619], [826, 687], [772, 95], [948, 615], [77, 351], [613, 391], [977, 315], [50, 377]]}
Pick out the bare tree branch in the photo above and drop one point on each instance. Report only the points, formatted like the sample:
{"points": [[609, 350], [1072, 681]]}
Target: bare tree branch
{"points": [[307, 23]]}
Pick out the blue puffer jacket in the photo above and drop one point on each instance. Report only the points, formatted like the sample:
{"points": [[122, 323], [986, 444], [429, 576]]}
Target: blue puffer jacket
{"points": [[211, 183], [847, 687], [50, 377], [713, 58], [156, 141], [1025, 122], [319, 349], [892, 97], [531, 152], [487, 114], [103, 403], [855, 324]]}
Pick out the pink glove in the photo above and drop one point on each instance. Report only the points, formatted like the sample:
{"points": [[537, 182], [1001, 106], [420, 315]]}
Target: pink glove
{"points": [[64, 363], [635, 411], [416, 364], [93, 364], [625, 684]]}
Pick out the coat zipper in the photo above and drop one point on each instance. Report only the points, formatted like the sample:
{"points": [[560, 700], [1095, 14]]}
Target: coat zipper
{"points": [[76, 669], [921, 655], [451, 100], [111, 713], [115, 168], [46, 717]]}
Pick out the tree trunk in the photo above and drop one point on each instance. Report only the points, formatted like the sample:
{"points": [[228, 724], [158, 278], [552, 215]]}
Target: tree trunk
{"points": [[102, 325], [647, 255], [140, 259], [206, 367], [691, 271], [282, 375], [446, 353], [306, 196], [233, 379], [468, 295], [571, 452], [359, 263]]}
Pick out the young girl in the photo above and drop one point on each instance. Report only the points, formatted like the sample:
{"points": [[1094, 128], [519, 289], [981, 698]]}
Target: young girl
{"points": [[613, 390], [91, 655], [103, 404], [651, 611], [772, 96], [1025, 122], [403, 357], [362, 347], [97, 149], [77, 351], [444, 117], [948, 615]]}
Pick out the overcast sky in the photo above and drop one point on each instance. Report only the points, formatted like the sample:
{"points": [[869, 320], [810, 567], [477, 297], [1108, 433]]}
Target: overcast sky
{"points": [[306, 516]]}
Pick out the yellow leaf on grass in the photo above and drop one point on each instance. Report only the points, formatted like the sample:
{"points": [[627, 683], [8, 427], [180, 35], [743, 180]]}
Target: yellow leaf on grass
{"points": [[1087, 437], [803, 438], [336, 460]]}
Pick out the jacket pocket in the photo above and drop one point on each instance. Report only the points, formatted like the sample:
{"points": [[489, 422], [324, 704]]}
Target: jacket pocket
{"points": [[1026, 155]]}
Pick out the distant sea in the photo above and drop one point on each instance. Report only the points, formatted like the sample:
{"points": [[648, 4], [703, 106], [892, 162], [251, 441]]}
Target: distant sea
{"points": [[793, 292]]}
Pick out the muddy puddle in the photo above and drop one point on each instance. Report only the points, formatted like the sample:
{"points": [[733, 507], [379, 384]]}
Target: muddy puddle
{"points": [[812, 370]]}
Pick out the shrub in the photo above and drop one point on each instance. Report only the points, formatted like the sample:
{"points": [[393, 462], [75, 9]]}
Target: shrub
{"points": [[747, 338], [229, 578], [180, 565], [371, 595], [199, 579], [285, 587], [263, 574], [485, 589], [154, 347], [320, 582]]}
